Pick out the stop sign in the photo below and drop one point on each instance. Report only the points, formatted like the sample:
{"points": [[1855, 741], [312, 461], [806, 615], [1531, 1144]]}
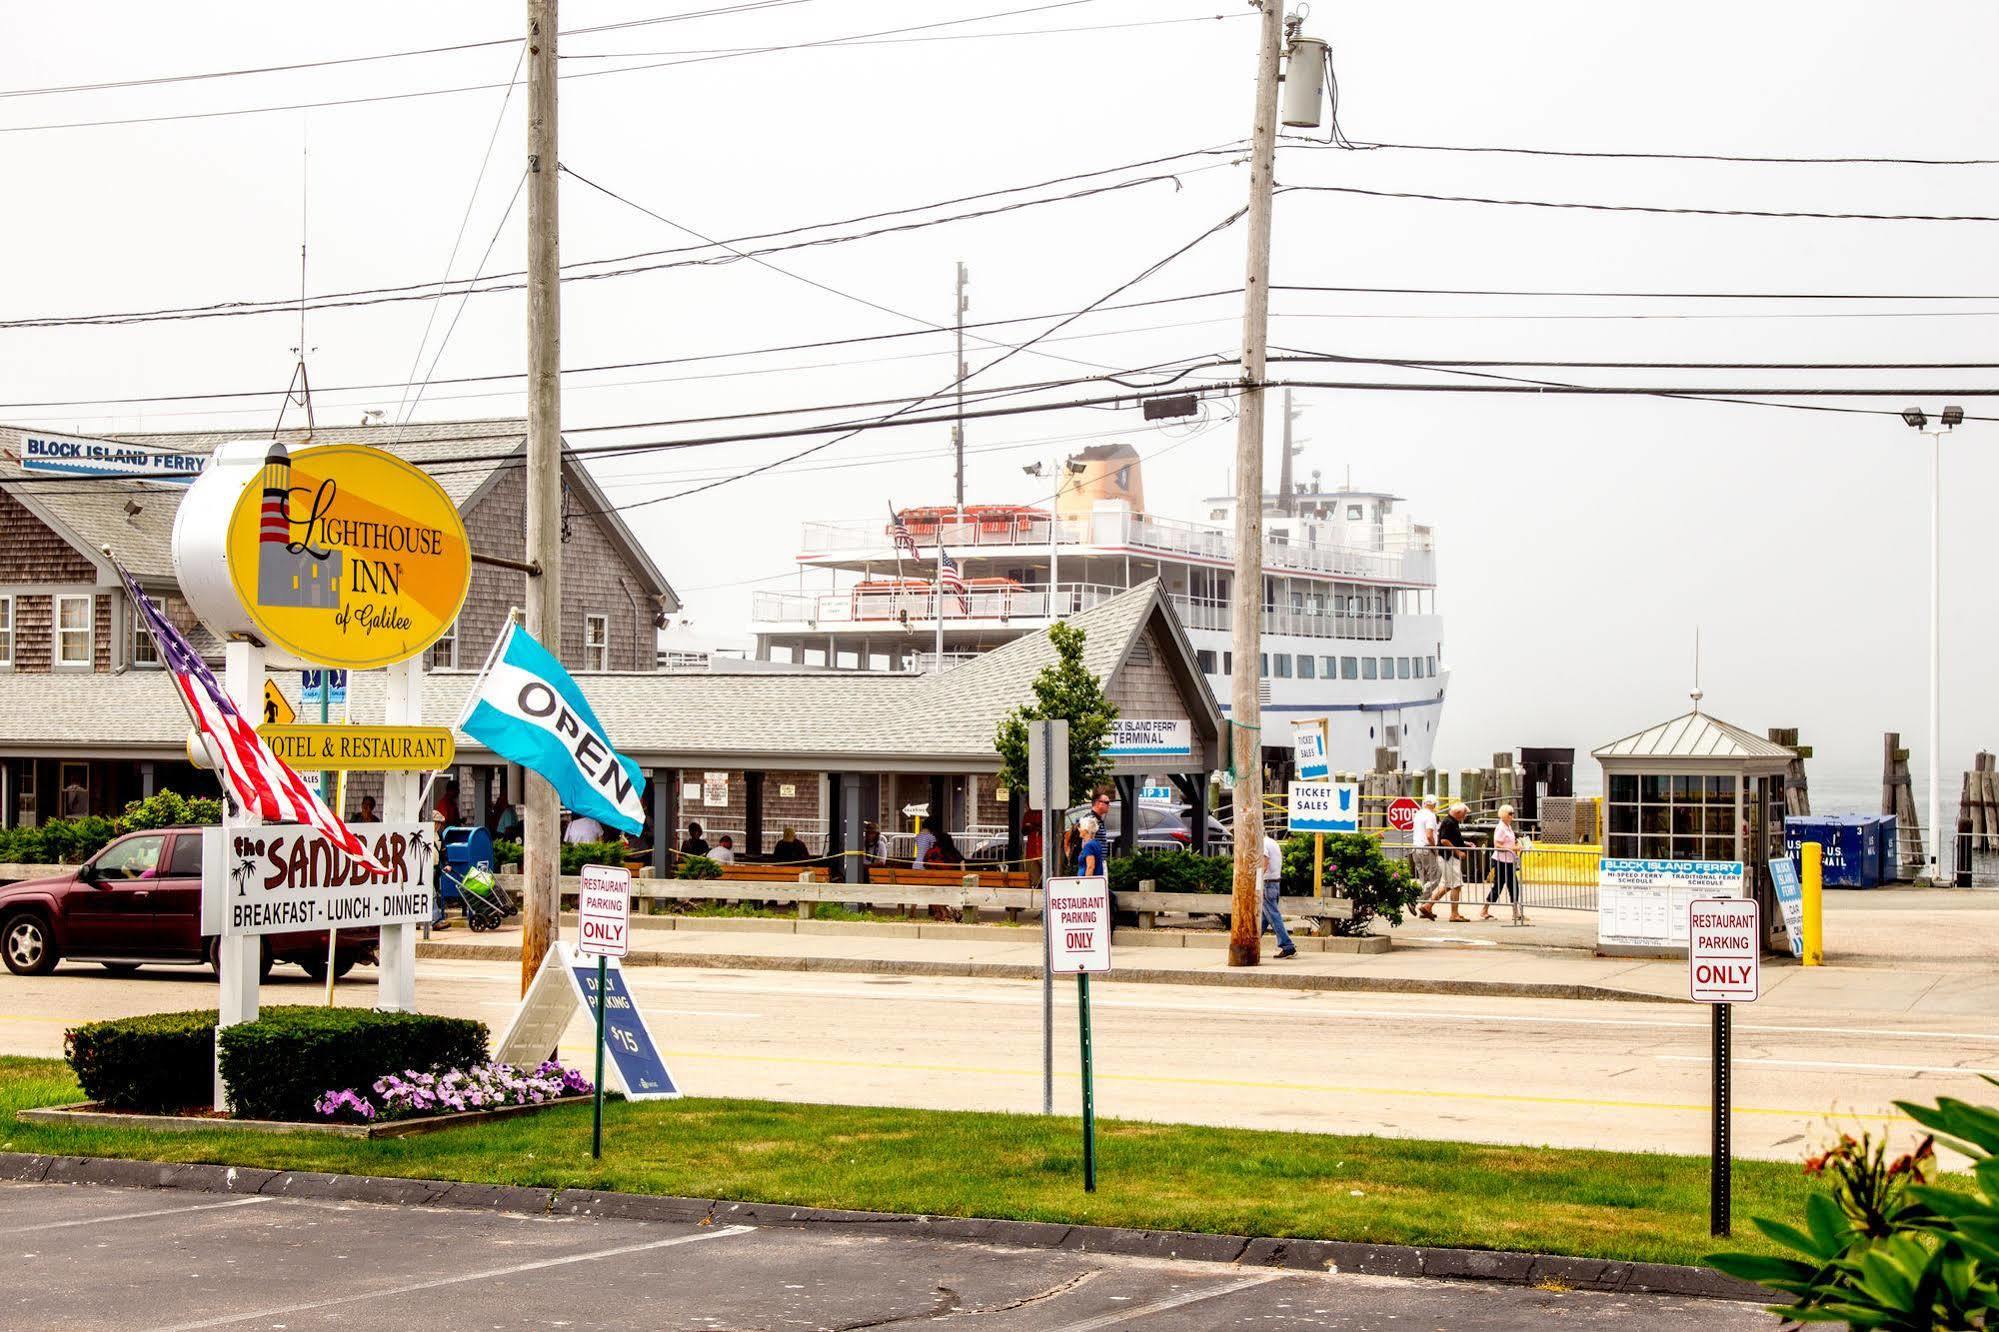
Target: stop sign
{"points": [[1402, 813]]}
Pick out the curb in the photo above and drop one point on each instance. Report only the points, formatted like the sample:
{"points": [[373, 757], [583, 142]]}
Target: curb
{"points": [[1390, 1260], [1258, 979]]}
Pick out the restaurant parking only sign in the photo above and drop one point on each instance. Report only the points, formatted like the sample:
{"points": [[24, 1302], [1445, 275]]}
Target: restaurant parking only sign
{"points": [[1079, 925], [1724, 935], [604, 911]]}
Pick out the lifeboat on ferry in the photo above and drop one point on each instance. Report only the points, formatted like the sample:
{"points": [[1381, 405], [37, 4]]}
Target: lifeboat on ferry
{"points": [[923, 522], [887, 598], [1004, 520]]}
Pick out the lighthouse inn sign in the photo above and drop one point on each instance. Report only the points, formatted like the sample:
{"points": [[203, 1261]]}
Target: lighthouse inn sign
{"points": [[338, 555]]}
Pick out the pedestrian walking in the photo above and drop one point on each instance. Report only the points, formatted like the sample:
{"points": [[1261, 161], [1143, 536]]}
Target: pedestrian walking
{"points": [[1451, 852], [1273, 892], [1090, 858], [1423, 838], [1505, 864]]}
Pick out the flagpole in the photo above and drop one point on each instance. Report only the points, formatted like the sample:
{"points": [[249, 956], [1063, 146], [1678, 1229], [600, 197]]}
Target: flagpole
{"points": [[938, 662], [492, 655]]}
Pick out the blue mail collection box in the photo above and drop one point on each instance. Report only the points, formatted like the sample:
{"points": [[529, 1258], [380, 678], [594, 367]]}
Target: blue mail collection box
{"points": [[1852, 855], [463, 849]]}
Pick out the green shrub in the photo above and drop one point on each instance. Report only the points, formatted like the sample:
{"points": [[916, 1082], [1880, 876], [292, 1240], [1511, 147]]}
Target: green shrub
{"points": [[506, 853], [698, 867], [578, 854], [169, 809], [68, 841], [154, 1062], [1357, 870], [21, 846], [277, 1066], [1172, 872], [1890, 1244]]}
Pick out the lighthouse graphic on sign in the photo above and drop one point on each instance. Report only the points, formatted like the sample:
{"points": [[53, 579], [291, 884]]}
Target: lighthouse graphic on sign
{"points": [[290, 573]]}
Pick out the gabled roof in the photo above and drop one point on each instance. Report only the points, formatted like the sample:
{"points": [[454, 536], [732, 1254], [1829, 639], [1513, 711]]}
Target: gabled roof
{"points": [[465, 458], [1694, 736], [814, 720]]}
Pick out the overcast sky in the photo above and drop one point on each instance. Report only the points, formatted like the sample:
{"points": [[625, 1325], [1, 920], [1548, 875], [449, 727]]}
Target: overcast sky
{"points": [[1581, 539]]}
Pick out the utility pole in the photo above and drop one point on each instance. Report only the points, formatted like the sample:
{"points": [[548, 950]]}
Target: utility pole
{"points": [[958, 428], [542, 848], [1246, 610], [1284, 483]]}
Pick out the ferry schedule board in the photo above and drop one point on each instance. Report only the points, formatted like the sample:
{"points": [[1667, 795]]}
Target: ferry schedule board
{"points": [[1643, 903]]}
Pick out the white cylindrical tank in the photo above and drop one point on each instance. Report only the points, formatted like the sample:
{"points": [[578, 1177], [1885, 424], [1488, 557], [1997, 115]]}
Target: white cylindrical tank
{"points": [[201, 540], [1304, 92]]}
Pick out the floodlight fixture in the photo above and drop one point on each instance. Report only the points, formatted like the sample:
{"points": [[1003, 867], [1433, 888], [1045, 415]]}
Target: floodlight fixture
{"points": [[1952, 416], [1915, 417]]}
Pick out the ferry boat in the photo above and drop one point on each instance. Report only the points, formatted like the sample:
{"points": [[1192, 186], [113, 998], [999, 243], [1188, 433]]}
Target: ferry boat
{"points": [[1351, 633]]}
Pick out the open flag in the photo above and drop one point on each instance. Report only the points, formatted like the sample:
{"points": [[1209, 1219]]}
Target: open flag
{"points": [[257, 780], [527, 709]]}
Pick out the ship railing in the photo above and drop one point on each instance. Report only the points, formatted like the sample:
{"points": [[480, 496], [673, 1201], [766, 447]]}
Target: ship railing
{"points": [[890, 606], [1137, 531], [1203, 613]]}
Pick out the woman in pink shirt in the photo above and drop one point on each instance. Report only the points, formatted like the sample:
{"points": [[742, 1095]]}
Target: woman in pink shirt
{"points": [[1505, 862]]}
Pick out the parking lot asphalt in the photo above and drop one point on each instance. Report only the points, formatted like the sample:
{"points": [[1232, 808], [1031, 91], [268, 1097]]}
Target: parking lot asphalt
{"points": [[89, 1257]]}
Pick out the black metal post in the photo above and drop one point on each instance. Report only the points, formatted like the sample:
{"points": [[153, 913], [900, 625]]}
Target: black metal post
{"points": [[1718, 1171], [1089, 1086], [597, 1101]]}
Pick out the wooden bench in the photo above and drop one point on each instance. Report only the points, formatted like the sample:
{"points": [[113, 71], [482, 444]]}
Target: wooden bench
{"points": [[1150, 905], [765, 872]]}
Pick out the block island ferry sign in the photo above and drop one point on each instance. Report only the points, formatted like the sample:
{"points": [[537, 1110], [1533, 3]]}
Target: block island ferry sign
{"points": [[339, 555], [277, 878], [1148, 738], [64, 455]]}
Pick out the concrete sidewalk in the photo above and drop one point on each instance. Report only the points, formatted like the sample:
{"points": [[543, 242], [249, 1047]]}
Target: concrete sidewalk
{"points": [[1434, 966]]}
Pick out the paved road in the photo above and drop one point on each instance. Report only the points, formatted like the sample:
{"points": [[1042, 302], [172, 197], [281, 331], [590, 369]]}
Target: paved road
{"points": [[1562, 1072], [89, 1258]]}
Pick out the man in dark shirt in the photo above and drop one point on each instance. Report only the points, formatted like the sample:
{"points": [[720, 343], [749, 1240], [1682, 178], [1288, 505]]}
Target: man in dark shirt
{"points": [[696, 844], [1451, 852], [789, 849]]}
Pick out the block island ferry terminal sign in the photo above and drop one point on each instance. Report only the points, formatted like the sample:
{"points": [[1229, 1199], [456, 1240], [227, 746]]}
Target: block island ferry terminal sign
{"points": [[339, 555]]}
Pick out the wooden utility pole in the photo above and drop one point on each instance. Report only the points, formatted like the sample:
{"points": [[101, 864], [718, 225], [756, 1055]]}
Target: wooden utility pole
{"points": [[1246, 609], [958, 426], [542, 842]]}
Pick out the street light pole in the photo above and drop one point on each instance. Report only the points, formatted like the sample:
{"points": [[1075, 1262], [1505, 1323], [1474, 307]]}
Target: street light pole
{"points": [[1947, 421]]}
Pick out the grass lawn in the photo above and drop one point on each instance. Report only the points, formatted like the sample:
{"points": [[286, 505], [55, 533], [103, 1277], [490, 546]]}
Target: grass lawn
{"points": [[1155, 1176]]}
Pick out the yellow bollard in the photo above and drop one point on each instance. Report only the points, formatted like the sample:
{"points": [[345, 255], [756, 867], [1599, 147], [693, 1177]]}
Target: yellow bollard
{"points": [[1811, 895], [1318, 865]]}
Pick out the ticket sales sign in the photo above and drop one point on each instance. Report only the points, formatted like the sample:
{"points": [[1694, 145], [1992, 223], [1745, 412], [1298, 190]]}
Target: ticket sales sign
{"points": [[604, 911], [277, 878], [1723, 955], [1078, 920]]}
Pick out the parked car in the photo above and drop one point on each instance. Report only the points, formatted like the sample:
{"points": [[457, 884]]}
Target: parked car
{"points": [[1161, 827], [137, 903]]}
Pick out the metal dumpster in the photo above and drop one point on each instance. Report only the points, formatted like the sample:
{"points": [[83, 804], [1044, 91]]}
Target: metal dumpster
{"points": [[1852, 846]]}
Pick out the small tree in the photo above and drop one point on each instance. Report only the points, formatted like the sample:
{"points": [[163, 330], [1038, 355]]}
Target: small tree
{"points": [[1357, 870], [1063, 691]]}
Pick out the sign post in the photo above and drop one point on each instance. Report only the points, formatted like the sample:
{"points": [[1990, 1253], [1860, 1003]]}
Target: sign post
{"points": [[603, 930], [1724, 951], [1048, 791], [1077, 921]]}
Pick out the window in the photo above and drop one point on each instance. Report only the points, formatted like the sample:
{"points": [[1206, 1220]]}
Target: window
{"points": [[1283, 665], [1678, 817], [135, 859], [6, 631], [1329, 668], [1354, 513], [1388, 668], [75, 624], [1349, 668], [141, 650], [1206, 660], [596, 643], [1263, 666], [1367, 668], [186, 862], [1228, 663], [1391, 736], [1308, 666], [1402, 668], [444, 652], [1432, 666]]}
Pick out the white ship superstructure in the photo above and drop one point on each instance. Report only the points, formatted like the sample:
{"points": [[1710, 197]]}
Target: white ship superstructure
{"points": [[1350, 628]]}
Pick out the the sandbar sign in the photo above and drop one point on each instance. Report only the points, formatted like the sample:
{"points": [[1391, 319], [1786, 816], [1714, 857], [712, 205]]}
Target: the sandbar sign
{"points": [[604, 911], [278, 878], [345, 555], [1724, 952], [1078, 917]]}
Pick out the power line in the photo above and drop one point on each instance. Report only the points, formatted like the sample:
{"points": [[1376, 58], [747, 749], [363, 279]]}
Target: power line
{"points": [[940, 37], [483, 87], [160, 79], [519, 184], [1638, 208], [499, 281], [1647, 295], [1429, 361], [1768, 160]]}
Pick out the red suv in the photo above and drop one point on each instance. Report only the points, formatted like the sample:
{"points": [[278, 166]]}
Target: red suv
{"points": [[136, 903]]}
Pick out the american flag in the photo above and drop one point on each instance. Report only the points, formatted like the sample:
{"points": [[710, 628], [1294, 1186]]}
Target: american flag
{"points": [[255, 778], [899, 530], [949, 576]]}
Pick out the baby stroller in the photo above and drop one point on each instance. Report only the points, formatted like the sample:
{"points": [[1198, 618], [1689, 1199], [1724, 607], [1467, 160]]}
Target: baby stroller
{"points": [[486, 904]]}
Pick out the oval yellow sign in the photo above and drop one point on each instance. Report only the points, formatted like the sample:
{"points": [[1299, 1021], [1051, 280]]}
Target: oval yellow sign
{"points": [[344, 555]]}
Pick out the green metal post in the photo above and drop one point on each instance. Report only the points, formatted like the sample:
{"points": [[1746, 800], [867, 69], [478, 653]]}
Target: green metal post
{"points": [[597, 1112], [1089, 1088]]}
